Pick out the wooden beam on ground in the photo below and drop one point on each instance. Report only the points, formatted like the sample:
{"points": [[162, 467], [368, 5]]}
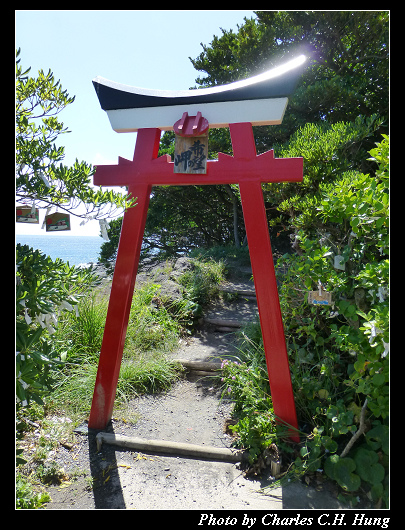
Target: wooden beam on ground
{"points": [[199, 365], [224, 323], [201, 373], [175, 448], [240, 292]]}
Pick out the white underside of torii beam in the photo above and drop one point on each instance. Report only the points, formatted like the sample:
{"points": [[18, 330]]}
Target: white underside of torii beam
{"points": [[256, 111]]}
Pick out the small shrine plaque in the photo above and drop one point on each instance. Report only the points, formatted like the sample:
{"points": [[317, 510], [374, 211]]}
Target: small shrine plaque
{"points": [[56, 222], [324, 298], [190, 154], [27, 215]]}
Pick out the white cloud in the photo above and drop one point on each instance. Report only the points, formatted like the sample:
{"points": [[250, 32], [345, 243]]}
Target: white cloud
{"points": [[101, 160]]}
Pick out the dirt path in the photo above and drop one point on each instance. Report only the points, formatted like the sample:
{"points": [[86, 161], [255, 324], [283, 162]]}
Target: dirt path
{"points": [[193, 412]]}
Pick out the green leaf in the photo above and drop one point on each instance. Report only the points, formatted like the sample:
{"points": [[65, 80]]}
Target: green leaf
{"points": [[341, 470], [378, 437], [368, 467], [377, 491], [330, 466], [378, 379]]}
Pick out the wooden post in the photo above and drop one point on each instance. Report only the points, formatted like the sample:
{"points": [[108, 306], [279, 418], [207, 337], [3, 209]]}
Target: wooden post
{"points": [[176, 448], [264, 276], [129, 250], [268, 303], [118, 309]]}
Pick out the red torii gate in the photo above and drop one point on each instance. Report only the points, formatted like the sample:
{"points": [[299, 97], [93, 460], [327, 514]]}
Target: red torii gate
{"points": [[248, 170]]}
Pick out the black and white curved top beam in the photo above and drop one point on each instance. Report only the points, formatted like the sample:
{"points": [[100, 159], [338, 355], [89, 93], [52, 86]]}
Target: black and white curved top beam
{"points": [[260, 100]]}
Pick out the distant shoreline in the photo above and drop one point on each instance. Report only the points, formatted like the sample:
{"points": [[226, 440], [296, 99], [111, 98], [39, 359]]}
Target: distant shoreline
{"points": [[77, 250]]}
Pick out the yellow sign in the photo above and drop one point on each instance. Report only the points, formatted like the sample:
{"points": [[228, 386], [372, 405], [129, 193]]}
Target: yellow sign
{"points": [[315, 298]]}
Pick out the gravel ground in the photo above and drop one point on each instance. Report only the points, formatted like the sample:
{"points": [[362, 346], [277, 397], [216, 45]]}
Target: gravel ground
{"points": [[125, 479]]}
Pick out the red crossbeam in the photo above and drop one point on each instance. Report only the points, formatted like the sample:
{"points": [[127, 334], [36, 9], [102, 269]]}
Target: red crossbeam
{"points": [[249, 171], [148, 169]]}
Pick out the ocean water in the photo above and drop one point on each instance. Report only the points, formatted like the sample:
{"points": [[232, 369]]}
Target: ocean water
{"points": [[77, 250]]}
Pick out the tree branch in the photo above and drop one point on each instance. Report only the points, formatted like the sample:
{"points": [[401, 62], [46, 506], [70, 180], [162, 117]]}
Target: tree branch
{"points": [[359, 432], [90, 208]]}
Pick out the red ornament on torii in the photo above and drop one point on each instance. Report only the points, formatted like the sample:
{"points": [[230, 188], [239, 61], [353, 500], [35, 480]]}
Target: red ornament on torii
{"points": [[230, 107]]}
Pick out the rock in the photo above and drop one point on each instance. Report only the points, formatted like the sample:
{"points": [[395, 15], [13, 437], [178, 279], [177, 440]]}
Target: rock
{"points": [[181, 266], [166, 275], [171, 290]]}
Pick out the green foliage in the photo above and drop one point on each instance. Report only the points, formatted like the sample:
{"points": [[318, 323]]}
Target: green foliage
{"points": [[201, 282], [155, 326], [340, 106], [339, 355], [26, 497], [45, 288], [248, 386], [181, 218], [329, 150], [79, 335], [151, 326], [230, 256], [341, 470], [146, 375], [347, 72], [354, 213], [367, 466], [40, 173], [152, 330]]}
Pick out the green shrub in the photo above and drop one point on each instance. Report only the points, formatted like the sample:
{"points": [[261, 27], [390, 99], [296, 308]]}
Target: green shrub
{"points": [[201, 282], [152, 331], [45, 288], [339, 354], [249, 387], [155, 326], [225, 254], [151, 326], [79, 336], [146, 375], [26, 497]]}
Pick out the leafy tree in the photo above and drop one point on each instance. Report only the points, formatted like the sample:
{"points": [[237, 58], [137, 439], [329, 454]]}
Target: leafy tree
{"points": [[328, 150], [347, 76], [46, 287], [348, 63], [346, 83], [181, 218], [40, 173]]}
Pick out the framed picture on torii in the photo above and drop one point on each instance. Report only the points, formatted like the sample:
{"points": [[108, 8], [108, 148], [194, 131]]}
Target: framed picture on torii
{"points": [[259, 100]]}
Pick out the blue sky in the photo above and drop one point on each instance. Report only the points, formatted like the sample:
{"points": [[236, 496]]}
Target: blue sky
{"points": [[149, 49]]}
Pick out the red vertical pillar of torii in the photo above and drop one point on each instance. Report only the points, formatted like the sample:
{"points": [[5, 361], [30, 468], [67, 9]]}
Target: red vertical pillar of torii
{"points": [[249, 171]]}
